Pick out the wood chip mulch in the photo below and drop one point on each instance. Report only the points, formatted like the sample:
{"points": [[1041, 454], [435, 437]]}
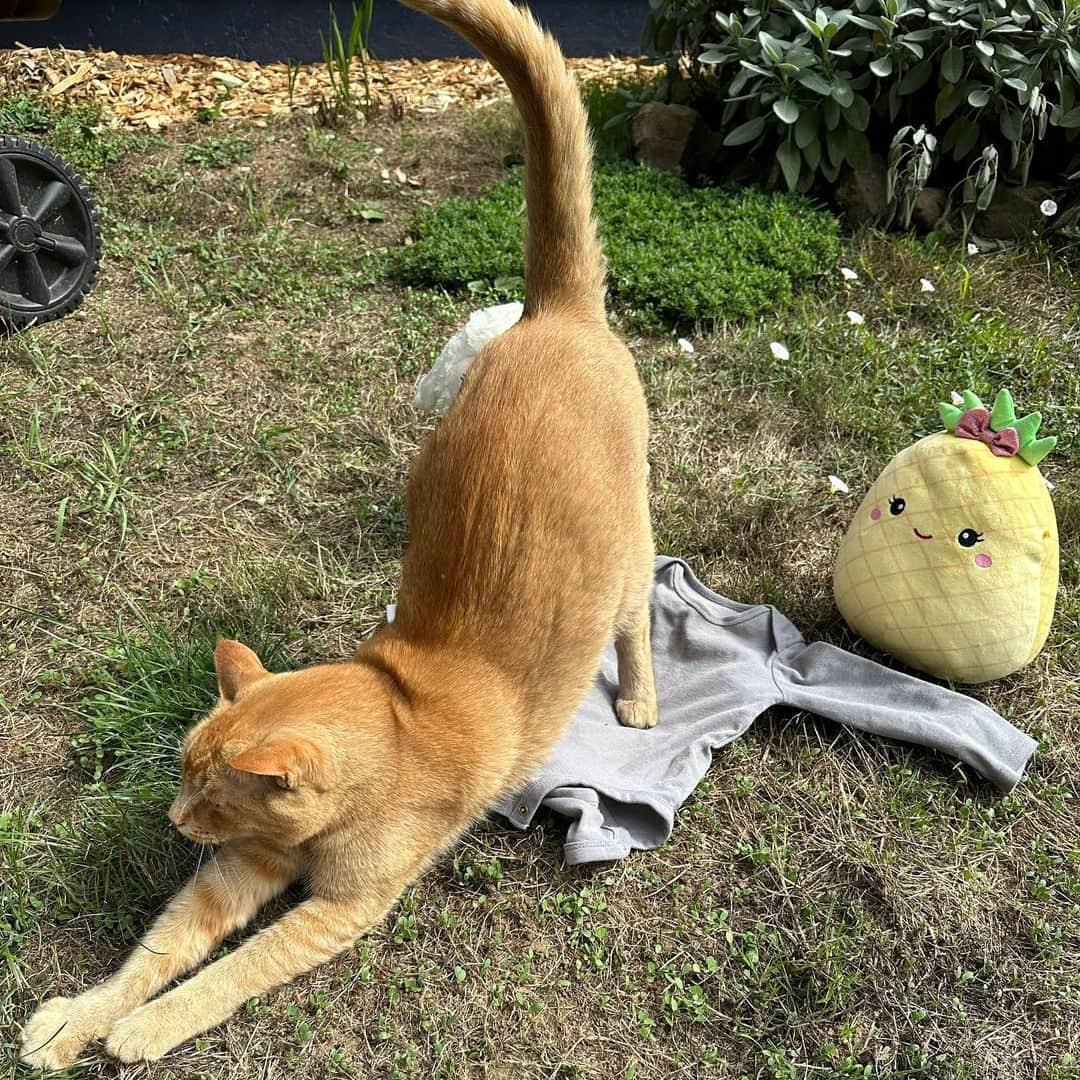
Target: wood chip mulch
{"points": [[156, 91]]}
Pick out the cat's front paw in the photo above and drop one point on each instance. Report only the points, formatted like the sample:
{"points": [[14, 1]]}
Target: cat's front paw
{"points": [[144, 1035], [55, 1035]]}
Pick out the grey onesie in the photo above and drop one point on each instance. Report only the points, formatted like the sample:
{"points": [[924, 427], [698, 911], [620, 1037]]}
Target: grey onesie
{"points": [[719, 665]]}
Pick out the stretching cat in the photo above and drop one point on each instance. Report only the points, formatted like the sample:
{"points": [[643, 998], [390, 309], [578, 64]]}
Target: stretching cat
{"points": [[529, 548]]}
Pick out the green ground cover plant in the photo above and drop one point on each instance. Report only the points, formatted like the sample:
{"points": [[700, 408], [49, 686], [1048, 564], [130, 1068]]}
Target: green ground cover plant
{"points": [[675, 254]]}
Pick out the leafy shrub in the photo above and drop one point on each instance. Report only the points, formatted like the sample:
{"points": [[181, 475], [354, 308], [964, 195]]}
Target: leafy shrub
{"points": [[675, 253], [75, 130], [823, 87]]}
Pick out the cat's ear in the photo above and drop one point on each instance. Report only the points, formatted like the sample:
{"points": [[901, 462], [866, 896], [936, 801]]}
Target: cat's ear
{"points": [[237, 668], [292, 762]]}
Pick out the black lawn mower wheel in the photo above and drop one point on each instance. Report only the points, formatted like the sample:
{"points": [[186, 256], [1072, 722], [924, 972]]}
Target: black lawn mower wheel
{"points": [[50, 235]]}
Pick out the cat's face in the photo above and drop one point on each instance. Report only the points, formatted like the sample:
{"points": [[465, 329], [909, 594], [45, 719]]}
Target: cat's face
{"points": [[266, 763]]}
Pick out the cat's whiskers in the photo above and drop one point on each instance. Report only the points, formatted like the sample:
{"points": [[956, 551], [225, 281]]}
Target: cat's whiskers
{"points": [[222, 875]]}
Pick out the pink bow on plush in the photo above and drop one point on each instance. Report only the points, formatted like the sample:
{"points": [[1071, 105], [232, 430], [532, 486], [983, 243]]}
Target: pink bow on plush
{"points": [[975, 424]]}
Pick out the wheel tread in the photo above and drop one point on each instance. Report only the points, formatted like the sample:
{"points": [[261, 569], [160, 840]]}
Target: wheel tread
{"points": [[19, 320]]}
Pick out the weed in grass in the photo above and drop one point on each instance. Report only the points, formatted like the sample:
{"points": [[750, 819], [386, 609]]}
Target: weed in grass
{"points": [[218, 151], [340, 52]]}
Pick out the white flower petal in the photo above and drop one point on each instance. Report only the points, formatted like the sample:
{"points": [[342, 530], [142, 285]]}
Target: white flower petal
{"points": [[838, 485], [957, 398], [686, 345], [855, 318], [848, 274], [779, 350], [926, 285], [973, 249], [1048, 208]]}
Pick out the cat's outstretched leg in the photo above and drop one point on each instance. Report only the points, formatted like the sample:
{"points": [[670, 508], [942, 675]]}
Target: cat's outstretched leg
{"points": [[220, 898], [312, 933]]}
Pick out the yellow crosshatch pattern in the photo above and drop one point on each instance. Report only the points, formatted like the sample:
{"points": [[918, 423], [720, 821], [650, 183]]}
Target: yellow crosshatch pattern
{"points": [[927, 601]]}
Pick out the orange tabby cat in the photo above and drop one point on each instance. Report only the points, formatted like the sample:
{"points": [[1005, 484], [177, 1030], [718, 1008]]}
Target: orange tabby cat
{"points": [[529, 548]]}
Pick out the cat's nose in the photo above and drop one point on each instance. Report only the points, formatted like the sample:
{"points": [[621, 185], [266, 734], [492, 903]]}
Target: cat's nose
{"points": [[178, 811]]}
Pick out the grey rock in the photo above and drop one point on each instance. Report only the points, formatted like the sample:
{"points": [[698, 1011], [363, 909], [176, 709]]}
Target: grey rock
{"points": [[662, 133], [1013, 212], [929, 208], [860, 193]]}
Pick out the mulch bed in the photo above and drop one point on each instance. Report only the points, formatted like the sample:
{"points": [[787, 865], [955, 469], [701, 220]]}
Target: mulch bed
{"points": [[153, 92]]}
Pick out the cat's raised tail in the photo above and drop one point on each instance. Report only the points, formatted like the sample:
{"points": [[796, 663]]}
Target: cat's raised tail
{"points": [[564, 265]]}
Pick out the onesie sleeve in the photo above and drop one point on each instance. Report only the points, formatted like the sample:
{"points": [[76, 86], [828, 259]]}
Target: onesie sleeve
{"points": [[853, 690]]}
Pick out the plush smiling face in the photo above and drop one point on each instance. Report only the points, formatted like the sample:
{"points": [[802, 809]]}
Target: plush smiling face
{"points": [[951, 562]]}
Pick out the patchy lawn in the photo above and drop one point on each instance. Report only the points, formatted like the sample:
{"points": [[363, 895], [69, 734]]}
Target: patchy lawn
{"points": [[218, 442]]}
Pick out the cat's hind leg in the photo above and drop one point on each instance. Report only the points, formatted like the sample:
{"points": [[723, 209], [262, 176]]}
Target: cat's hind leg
{"points": [[636, 704]]}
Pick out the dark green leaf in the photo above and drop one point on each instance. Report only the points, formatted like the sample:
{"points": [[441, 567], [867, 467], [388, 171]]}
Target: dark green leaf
{"points": [[787, 109], [858, 113], [745, 133], [836, 144], [790, 163], [916, 78], [813, 81], [1072, 55], [965, 141], [952, 64], [842, 94], [858, 149], [806, 129], [1011, 124]]}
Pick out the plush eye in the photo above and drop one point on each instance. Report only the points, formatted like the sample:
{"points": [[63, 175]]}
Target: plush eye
{"points": [[896, 506], [969, 538]]}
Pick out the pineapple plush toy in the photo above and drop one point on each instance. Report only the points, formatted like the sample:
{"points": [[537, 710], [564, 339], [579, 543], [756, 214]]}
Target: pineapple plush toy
{"points": [[951, 563]]}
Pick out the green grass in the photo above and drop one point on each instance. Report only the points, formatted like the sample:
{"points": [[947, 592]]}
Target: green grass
{"points": [[880, 381], [219, 442], [218, 151], [676, 254], [141, 688], [77, 131]]}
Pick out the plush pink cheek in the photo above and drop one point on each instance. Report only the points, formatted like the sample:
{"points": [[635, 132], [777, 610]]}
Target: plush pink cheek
{"points": [[983, 560], [875, 514]]}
